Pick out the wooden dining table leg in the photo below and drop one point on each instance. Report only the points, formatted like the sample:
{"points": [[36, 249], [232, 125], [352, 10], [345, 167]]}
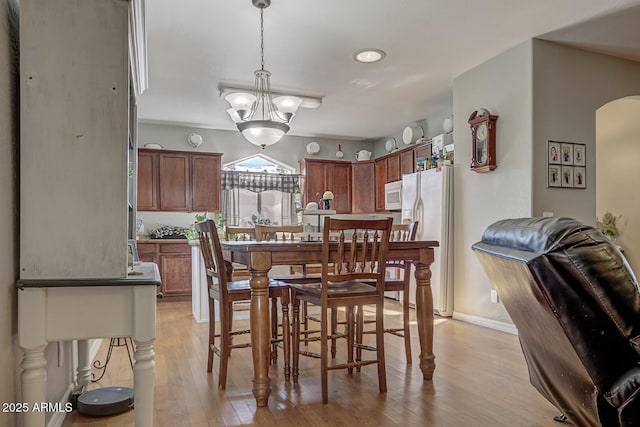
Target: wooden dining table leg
{"points": [[424, 313], [260, 325]]}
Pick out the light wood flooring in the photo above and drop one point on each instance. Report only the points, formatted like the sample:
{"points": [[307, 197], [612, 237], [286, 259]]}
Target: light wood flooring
{"points": [[480, 380]]}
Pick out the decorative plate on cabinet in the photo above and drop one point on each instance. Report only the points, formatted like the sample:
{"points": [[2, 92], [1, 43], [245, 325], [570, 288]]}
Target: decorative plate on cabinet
{"points": [[313, 147], [412, 133], [390, 144]]}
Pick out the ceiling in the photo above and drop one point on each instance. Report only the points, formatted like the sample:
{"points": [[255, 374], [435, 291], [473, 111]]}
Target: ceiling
{"points": [[195, 46]]}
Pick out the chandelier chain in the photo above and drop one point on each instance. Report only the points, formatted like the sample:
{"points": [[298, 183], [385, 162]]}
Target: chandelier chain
{"points": [[261, 39]]}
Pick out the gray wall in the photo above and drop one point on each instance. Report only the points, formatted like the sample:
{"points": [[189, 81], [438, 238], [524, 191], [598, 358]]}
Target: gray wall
{"points": [[8, 205], [233, 146], [569, 86], [502, 85]]}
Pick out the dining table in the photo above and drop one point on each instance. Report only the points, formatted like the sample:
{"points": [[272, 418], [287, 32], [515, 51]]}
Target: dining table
{"points": [[259, 257]]}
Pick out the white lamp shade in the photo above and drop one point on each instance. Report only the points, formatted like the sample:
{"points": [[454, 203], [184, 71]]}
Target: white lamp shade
{"points": [[287, 103], [240, 100], [263, 132], [234, 115]]}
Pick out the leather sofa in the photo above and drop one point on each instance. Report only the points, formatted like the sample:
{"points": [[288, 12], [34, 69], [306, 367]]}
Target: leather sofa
{"points": [[576, 304]]}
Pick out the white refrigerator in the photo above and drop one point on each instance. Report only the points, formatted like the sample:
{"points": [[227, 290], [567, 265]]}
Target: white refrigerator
{"points": [[427, 197]]}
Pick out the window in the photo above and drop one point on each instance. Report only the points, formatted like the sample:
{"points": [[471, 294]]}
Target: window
{"points": [[259, 189]]}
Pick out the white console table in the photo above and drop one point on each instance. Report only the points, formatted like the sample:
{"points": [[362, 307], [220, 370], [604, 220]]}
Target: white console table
{"points": [[79, 309]]}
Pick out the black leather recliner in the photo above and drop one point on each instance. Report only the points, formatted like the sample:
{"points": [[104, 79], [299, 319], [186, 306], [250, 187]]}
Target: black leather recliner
{"points": [[576, 304]]}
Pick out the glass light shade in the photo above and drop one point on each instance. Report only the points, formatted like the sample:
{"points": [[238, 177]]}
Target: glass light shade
{"points": [[240, 100], [287, 103], [263, 132], [234, 115]]}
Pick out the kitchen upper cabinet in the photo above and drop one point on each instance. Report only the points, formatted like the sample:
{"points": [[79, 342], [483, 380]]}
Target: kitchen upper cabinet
{"points": [[423, 150], [173, 184], [393, 168], [147, 181], [322, 175], [381, 180], [178, 181], [407, 162], [205, 183], [363, 187]]}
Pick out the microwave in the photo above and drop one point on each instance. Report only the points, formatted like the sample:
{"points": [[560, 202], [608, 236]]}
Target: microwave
{"points": [[393, 196]]}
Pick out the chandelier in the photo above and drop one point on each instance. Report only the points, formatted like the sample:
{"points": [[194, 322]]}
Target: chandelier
{"points": [[262, 120]]}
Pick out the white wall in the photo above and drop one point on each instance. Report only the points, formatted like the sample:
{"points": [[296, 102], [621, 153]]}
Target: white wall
{"points": [[618, 156], [502, 85], [569, 86], [8, 206]]}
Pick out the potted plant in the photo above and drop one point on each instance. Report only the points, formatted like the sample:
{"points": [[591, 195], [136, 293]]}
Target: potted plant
{"points": [[608, 225]]}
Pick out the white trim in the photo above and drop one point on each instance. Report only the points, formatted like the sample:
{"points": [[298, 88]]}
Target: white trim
{"points": [[57, 418], [487, 323], [95, 346]]}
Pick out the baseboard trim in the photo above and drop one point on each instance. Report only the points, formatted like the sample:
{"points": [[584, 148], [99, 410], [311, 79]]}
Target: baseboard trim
{"points": [[487, 323], [57, 418]]}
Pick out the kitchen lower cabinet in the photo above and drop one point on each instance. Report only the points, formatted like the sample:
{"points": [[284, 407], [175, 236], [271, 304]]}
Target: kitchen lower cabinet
{"points": [[174, 263]]}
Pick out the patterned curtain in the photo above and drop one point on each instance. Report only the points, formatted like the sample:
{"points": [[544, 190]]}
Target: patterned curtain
{"points": [[258, 182]]}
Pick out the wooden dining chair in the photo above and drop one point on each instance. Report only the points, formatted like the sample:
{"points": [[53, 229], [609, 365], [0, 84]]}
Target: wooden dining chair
{"points": [[226, 293], [399, 233], [355, 279], [233, 233], [277, 232]]}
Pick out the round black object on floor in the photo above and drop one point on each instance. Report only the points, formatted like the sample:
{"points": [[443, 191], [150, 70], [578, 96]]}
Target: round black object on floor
{"points": [[105, 401]]}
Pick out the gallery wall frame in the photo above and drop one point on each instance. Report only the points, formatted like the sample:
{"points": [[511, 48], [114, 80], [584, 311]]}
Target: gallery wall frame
{"points": [[566, 165]]}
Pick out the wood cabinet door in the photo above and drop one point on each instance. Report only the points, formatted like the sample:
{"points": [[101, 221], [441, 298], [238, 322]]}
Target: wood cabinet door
{"points": [[339, 182], [363, 192], [205, 183], [423, 150], [175, 271], [147, 181], [393, 168], [314, 182], [407, 163], [174, 182], [381, 180]]}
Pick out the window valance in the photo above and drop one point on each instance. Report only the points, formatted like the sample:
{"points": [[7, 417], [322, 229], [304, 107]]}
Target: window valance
{"points": [[258, 182]]}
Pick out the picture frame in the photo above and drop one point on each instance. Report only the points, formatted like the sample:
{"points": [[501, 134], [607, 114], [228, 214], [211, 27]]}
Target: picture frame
{"points": [[566, 164], [553, 153], [553, 176], [579, 154], [567, 176], [579, 177], [566, 150]]}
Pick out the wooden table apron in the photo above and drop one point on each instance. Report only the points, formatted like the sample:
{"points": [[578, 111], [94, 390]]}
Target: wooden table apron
{"points": [[259, 257]]}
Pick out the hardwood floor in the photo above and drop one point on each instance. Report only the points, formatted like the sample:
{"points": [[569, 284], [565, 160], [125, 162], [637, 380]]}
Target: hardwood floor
{"points": [[480, 380]]}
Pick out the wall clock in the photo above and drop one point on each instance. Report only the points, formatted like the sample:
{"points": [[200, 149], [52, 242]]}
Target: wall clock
{"points": [[483, 140]]}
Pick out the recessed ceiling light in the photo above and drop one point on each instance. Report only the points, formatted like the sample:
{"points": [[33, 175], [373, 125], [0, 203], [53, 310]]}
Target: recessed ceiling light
{"points": [[369, 55]]}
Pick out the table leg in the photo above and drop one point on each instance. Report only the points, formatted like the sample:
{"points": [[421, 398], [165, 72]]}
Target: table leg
{"points": [[83, 373], [143, 382], [260, 325], [424, 315], [34, 384]]}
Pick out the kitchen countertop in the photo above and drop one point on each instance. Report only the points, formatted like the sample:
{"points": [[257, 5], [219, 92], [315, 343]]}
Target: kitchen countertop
{"points": [[147, 240]]}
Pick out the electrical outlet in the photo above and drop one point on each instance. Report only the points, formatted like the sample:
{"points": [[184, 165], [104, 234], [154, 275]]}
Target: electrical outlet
{"points": [[494, 296]]}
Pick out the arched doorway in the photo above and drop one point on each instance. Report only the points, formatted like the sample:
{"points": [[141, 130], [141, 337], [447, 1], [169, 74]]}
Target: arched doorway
{"points": [[618, 170]]}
